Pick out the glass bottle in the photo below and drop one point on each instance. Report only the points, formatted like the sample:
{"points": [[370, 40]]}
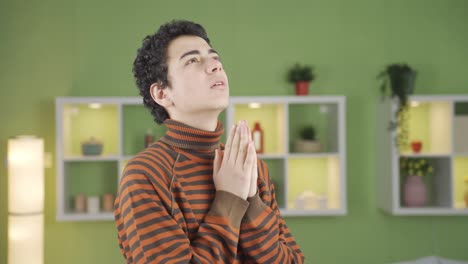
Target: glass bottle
{"points": [[257, 135]]}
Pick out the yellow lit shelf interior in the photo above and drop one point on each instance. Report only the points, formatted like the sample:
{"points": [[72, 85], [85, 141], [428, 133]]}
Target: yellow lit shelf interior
{"points": [[271, 118], [429, 122], [460, 181], [314, 179], [81, 122]]}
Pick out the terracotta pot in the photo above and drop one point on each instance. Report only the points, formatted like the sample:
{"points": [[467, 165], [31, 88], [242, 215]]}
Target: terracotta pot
{"points": [[416, 146], [414, 191], [302, 88]]}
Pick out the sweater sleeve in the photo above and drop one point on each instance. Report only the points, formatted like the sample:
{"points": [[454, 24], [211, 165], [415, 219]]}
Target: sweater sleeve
{"points": [[149, 233], [264, 236]]}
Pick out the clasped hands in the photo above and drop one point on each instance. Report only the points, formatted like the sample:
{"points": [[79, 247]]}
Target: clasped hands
{"points": [[235, 169]]}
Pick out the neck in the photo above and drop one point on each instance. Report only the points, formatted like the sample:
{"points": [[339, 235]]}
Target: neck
{"points": [[202, 121], [184, 136]]}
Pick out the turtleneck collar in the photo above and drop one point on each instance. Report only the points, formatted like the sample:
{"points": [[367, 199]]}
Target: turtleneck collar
{"points": [[184, 136]]}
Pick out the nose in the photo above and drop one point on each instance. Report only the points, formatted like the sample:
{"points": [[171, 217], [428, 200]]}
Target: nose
{"points": [[213, 65]]}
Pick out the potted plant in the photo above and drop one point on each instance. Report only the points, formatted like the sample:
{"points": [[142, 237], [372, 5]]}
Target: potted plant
{"points": [[301, 76], [307, 141], [414, 188], [397, 81]]}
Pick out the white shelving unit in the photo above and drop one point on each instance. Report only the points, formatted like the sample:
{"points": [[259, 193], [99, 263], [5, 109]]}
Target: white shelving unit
{"points": [[77, 119], [440, 122], [120, 123], [300, 178]]}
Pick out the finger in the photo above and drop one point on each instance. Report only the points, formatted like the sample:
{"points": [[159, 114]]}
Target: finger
{"points": [[235, 144], [228, 146], [243, 144], [248, 164], [253, 182], [216, 162]]}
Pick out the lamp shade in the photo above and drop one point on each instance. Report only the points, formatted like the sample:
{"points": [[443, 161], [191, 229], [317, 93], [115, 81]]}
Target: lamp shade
{"points": [[25, 200], [25, 175], [25, 239]]}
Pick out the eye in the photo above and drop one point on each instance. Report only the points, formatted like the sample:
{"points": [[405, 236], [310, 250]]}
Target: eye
{"points": [[217, 58], [192, 60]]}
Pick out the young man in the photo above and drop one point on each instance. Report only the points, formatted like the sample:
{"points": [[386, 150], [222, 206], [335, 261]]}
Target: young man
{"points": [[188, 198]]}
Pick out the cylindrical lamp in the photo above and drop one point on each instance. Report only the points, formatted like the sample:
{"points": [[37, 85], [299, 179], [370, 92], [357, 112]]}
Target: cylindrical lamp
{"points": [[25, 200]]}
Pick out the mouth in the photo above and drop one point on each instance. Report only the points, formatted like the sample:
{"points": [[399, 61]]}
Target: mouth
{"points": [[218, 85]]}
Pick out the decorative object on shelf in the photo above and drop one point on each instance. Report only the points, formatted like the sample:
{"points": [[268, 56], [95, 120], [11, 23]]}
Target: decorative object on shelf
{"points": [[301, 76], [25, 162], [414, 189], [307, 142], [108, 202], [401, 79], [258, 137], [149, 138], [416, 146], [305, 200], [80, 203], [93, 204], [466, 191], [322, 201], [91, 147]]}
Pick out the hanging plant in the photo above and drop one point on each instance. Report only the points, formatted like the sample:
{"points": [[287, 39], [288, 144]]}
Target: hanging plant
{"points": [[398, 82]]}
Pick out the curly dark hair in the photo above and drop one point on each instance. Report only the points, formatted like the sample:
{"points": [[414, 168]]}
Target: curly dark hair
{"points": [[150, 65]]}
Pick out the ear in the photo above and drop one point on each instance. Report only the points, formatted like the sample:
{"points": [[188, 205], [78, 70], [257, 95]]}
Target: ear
{"points": [[161, 94]]}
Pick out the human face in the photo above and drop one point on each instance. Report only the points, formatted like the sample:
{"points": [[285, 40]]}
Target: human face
{"points": [[198, 84]]}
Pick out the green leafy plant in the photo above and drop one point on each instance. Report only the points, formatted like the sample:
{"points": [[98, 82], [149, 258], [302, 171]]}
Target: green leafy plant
{"points": [[300, 73], [400, 78], [415, 166], [308, 132], [397, 80]]}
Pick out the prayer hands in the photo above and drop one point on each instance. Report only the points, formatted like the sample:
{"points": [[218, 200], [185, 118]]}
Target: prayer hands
{"points": [[235, 170]]}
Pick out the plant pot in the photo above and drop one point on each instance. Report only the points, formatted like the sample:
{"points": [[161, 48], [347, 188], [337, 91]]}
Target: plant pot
{"points": [[307, 146], [302, 88], [414, 191], [403, 82], [416, 146]]}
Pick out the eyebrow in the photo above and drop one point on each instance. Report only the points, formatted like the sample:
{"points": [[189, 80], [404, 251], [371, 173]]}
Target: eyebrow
{"points": [[192, 52]]}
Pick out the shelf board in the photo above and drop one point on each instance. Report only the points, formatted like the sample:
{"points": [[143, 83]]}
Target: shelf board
{"points": [[424, 155], [431, 211], [128, 157], [317, 212], [313, 155], [103, 216], [271, 156], [91, 158]]}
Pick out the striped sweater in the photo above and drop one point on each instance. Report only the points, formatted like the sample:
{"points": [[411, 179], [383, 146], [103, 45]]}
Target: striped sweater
{"points": [[168, 210]]}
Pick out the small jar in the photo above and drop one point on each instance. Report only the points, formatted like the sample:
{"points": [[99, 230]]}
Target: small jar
{"points": [[108, 202], [93, 204], [80, 203]]}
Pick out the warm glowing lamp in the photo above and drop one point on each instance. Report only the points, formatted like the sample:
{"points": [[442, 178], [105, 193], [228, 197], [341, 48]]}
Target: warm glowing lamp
{"points": [[25, 200]]}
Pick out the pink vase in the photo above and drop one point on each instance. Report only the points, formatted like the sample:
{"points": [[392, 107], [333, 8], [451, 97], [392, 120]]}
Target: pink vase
{"points": [[415, 191]]}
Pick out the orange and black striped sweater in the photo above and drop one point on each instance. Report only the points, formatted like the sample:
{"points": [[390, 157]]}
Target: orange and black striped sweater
{"points": [[168, 210]]}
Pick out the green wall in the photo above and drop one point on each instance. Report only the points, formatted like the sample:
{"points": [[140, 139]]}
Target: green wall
{"points": [[55, 48]]}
